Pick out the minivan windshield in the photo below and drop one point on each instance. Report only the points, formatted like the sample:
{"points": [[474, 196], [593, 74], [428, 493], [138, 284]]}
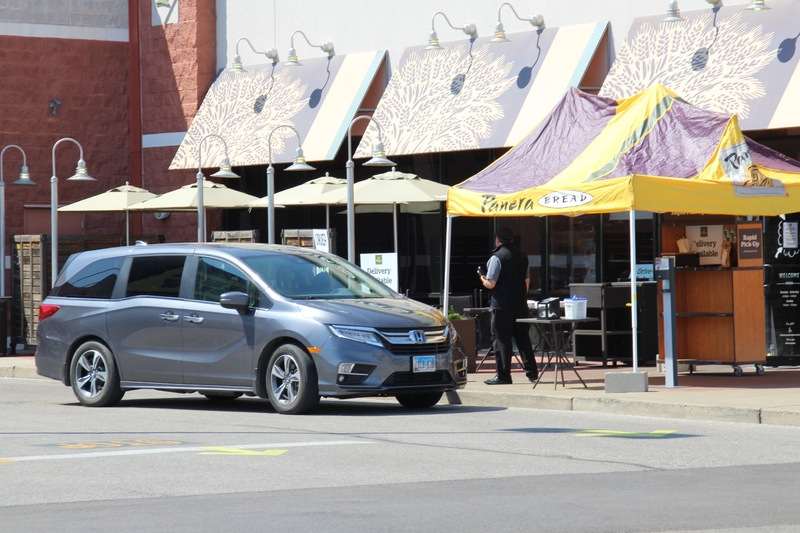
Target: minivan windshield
{"points": [[307, 276]]}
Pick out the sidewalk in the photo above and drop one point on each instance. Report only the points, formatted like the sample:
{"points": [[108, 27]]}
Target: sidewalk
{"points": [[712, 392]]}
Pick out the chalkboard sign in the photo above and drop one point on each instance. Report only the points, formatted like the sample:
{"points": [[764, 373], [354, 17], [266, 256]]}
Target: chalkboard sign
{"points": [[749, 243]]}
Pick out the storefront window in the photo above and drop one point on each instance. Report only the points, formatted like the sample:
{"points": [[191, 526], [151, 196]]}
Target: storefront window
{"points": [[616, 264], [572, 252]]}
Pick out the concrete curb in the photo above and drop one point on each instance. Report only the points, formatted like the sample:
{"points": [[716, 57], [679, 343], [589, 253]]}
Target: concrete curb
{"points": [[23, 371], [626, 407]]}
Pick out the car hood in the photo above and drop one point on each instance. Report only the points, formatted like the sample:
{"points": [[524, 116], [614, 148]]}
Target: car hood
{"points": [[373, 312]]}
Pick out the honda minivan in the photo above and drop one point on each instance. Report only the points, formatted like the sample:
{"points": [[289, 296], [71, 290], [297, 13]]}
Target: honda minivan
{"points": [[285, 323]]}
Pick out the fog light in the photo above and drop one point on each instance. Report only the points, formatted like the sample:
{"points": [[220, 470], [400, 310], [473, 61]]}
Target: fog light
{"points": [[346, 368]]}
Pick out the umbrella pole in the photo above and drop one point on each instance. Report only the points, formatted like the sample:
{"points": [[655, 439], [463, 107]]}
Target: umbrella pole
{"points": [[327, 216], [447, 245], [394, 219], [127, 228], [634, 303]]}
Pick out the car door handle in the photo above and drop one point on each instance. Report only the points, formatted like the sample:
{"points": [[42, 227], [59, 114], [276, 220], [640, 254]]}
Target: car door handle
{"points": [[168, 317], [193, 319]]}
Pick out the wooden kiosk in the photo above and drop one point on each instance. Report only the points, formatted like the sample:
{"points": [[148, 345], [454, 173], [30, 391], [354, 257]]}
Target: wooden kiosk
{"points": [[719, 310]]}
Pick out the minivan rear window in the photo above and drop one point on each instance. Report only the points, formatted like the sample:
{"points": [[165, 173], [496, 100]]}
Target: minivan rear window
{"points": [[96, 280], [156, 276]]}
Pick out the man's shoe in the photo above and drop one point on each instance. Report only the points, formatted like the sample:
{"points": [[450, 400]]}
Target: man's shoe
{"points": [[533, 377], [497, 381]]}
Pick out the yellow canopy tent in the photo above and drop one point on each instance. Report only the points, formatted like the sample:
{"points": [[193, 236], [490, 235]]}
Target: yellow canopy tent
{"points": [[652, 151]]}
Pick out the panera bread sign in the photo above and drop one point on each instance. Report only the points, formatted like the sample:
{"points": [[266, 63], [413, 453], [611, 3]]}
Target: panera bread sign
{"points": [[565, 199]]}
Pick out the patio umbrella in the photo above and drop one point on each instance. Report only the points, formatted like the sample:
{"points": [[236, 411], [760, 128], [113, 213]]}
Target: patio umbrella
{"points": [[308, 193], [113, 200], [392, 188], [215, 196]]}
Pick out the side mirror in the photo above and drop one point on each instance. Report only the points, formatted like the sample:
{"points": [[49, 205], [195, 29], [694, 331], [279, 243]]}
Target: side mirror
{"points": [[235, 300]]}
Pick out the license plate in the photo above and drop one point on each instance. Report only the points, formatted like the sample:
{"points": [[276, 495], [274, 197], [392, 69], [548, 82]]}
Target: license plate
{"points": [[424, 363]]}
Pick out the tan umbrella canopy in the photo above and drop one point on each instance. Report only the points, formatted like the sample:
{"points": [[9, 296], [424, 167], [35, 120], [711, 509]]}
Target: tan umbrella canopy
{"points": [[308, 193], [215, 196], [391, 188], [116, 199]]}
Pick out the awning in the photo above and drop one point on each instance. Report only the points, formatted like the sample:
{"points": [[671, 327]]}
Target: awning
{"points": [[729, 60], [478, 94], [319, 99]]}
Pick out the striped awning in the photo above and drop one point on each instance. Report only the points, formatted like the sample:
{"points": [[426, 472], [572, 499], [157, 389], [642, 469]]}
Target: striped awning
{"points": [[319, 99], [476, 94], [726, 59]]}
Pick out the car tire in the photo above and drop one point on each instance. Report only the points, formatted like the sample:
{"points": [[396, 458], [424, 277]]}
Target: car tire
{"points": [[94, 376], [421, 400], [222, 397], [291, 380]]}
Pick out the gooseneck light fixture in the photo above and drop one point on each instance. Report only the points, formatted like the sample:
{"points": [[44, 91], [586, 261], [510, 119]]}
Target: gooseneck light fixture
{"points": [[673, 13], [24, 179], [757, 5], [536, 20], [271, 53], [298, 165], [224, 172], [433, 39], [325, 46], [378, 160], [81, 174]]}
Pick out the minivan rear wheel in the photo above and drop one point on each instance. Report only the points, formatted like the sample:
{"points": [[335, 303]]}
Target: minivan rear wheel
{"points": [[94, 376], [292, 381], [421, 400]]}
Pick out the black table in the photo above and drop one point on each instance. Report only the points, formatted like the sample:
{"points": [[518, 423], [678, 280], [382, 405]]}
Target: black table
{"points": [[555, 337]]}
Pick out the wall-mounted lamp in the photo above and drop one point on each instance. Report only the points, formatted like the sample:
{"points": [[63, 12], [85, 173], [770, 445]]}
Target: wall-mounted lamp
{"points": [[433, 39], [81, 174], [536, 20], [224, 172], [757, 5], [271, 53], [325, 46], [715, 3], [298, 165], [673, 13]]}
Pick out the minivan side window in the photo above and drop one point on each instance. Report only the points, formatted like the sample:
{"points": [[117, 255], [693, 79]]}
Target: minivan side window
{"points": [[215, 277], [95, 280], [156, 276]]}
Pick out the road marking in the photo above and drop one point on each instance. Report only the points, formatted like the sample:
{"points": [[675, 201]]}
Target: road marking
{"points": [[181, 449], [116, 444], [610, 433], [219, 450]]}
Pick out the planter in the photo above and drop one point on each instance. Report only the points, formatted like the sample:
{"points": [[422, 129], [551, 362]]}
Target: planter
{"points": [[466, 329]]}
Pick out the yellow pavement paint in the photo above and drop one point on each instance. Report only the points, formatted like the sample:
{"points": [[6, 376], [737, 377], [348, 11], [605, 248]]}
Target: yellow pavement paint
{"points": [[116, 444], [7, 460], [219, 450], [610, 433]]}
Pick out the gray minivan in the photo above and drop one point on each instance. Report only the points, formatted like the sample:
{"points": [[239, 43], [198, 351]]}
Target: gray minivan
{"points": [[279, 322]]}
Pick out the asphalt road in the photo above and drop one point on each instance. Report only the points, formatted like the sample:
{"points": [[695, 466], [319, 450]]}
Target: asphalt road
{"points": [[164, 462]]}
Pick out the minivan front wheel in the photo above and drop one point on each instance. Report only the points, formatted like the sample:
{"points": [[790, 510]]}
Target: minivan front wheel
{"points": [[94, 377], [292, 381]]}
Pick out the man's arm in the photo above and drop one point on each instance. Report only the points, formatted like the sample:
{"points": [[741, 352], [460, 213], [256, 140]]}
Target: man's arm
{"points": [[493, 273]]}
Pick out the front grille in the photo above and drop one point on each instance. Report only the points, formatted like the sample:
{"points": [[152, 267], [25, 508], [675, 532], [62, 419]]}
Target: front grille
{"points": [[430, 348], [401, 379]]}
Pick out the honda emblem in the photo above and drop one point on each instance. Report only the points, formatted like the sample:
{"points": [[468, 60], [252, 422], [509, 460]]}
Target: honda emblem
{"points": [[418, 336]]}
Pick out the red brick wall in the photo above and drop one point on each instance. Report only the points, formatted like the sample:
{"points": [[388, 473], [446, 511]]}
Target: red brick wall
{"points": [[178, 67], [90, 78]]}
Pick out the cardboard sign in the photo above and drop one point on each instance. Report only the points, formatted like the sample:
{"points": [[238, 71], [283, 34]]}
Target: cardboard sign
{"points": [[322, 240], [382, 267], [706, 241]]}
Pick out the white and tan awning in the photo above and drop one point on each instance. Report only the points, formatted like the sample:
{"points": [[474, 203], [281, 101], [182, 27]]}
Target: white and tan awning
{"points": [[725, 59], [319, 99], [478, 94]]}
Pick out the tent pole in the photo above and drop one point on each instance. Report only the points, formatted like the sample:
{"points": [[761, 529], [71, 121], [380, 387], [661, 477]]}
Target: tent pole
{"points": [[447, 250], [394, 219], [634, 302]]}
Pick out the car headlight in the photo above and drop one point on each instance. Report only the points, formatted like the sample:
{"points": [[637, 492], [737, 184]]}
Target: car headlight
{"points": [[364, 335]]}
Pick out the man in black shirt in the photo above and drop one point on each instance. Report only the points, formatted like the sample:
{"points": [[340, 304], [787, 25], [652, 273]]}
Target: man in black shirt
{"points": [[507, 277]]}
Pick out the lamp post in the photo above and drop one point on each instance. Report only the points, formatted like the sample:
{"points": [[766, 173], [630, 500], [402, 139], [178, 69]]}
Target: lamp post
{"points": [[224, 172], [299, 164], [378, 160], [80, 175], [24, 179]]}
